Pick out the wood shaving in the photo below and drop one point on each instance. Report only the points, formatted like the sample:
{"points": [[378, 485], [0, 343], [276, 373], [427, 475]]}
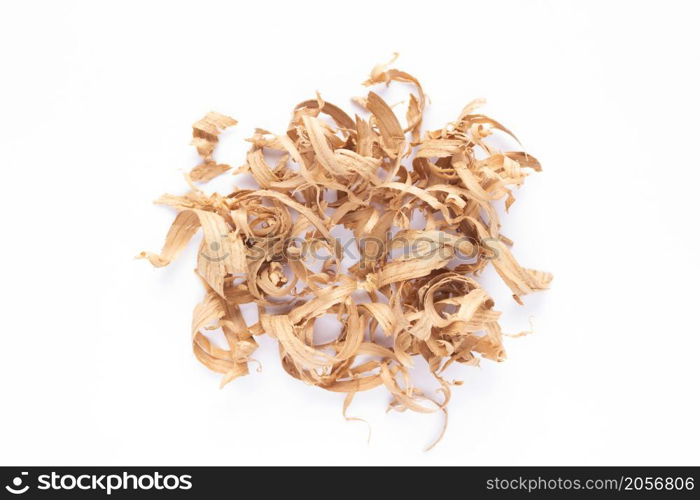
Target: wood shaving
{"points": [[395, 188]]}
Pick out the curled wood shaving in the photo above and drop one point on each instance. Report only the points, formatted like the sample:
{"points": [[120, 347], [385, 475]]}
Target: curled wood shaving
{"points": [[205, 136], [422, 216]]}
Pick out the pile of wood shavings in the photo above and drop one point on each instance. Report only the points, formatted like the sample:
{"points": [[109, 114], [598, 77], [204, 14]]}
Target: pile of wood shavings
{"points": [[378, 179]]}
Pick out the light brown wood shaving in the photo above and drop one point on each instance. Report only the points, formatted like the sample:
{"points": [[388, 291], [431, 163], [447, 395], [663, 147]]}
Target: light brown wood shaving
{"points": [[376, 178]]}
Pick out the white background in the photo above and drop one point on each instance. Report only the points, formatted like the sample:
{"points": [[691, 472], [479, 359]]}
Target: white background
{"points": [[96, 104]]}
